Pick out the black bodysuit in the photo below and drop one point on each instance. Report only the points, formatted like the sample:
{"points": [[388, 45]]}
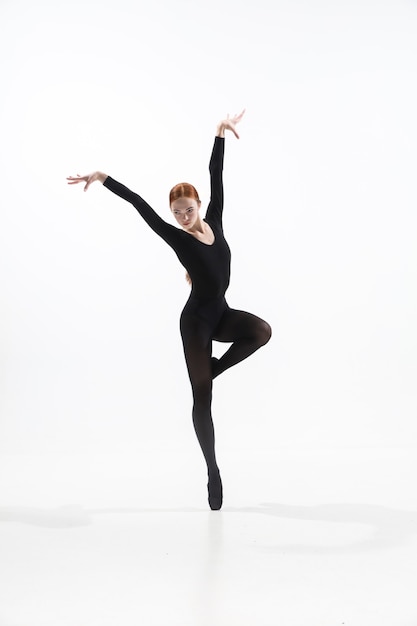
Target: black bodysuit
{"points": [[206, 315]]}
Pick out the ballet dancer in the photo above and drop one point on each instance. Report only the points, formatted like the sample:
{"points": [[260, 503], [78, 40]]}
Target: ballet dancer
{"points": [[202, 249]]}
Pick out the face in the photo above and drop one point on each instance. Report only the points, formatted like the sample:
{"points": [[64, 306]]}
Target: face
{"points": [[185, 211]]}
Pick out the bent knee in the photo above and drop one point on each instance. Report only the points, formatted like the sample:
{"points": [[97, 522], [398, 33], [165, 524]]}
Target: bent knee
{"points": [[264, 333]]}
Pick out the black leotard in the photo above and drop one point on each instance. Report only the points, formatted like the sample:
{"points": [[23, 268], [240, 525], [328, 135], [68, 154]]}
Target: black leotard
{"points": [[207, 265]]}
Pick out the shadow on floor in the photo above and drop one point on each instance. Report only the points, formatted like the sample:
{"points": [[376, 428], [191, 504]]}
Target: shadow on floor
{"points": [[390, 527]]}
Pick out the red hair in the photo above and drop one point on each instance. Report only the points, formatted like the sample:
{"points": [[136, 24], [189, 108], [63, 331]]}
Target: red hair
{"points": [[183, 190]]}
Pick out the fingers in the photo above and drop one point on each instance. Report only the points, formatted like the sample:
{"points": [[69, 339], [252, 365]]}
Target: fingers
{"points": [[76, 179], [230, 122], [230, 125], [238, 117]]}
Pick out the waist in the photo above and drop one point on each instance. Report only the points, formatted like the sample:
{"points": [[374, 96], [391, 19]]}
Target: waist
{"points": [[207, 308]]}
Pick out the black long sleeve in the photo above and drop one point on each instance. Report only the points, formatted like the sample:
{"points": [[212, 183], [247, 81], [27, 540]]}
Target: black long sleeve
{"points": [[168, 232], [215, 208]]}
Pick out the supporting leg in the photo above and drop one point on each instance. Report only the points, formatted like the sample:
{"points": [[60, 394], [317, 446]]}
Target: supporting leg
{"points": [[197, 350]]}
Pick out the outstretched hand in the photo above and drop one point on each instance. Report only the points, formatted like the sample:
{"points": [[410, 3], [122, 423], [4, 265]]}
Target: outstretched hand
{"points": [[230, 124], [88, 180]]}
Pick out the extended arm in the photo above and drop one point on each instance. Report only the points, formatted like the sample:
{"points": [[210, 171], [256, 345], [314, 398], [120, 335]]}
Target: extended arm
{"points": [[162, 228]]}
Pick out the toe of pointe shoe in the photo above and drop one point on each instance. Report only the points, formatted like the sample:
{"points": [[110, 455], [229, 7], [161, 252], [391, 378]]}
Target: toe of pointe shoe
{"points": [[215, 496], [215, 504]]}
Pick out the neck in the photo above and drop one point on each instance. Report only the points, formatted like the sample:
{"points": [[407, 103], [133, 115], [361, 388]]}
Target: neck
{"points": [[198, 227]]}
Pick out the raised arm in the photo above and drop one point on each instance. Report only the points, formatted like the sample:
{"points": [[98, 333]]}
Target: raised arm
{"points": [[158, 225], [215, 208]]}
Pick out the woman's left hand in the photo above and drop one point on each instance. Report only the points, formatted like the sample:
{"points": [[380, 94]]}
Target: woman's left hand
{"points": [[229, 124]]}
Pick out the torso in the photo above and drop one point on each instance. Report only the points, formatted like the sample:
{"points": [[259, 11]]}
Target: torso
{"points": [[209, 262]]}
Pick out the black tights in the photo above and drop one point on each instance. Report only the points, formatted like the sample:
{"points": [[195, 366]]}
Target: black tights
{"points": [[247, 333]]}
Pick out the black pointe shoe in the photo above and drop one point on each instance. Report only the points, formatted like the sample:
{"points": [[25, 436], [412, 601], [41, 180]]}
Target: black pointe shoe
{"points": [[215, 493]]}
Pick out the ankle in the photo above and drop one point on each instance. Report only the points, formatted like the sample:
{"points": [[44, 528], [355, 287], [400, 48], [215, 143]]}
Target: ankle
{"points": [[214, 472]]}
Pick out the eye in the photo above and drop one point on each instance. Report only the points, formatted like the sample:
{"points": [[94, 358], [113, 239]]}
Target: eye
{"points": [[190, 210]]}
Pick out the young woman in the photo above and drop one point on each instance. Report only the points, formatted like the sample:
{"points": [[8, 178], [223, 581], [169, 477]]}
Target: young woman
{"points": [[203, 251]]}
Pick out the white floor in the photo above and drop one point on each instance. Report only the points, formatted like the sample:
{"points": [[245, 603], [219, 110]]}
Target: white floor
{"points": [[307, 537]]}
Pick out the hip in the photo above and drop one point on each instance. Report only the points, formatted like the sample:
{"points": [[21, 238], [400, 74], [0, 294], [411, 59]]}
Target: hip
{"points": [[208, 310]]}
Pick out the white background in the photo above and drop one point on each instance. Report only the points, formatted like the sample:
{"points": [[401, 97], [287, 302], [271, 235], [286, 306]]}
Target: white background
{"points": [[320, 215]]}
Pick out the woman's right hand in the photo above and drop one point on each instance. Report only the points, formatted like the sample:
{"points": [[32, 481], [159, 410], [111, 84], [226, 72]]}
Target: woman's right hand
{"points": [[90, 178]]}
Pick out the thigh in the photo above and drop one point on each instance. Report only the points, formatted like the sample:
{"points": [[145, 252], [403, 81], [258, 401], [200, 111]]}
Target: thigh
{"points": [[236, 325], [197, 343]]}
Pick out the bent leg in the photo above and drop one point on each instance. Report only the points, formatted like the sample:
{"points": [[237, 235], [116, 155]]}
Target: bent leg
{"points": [[247, 332], [197, 350]]}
